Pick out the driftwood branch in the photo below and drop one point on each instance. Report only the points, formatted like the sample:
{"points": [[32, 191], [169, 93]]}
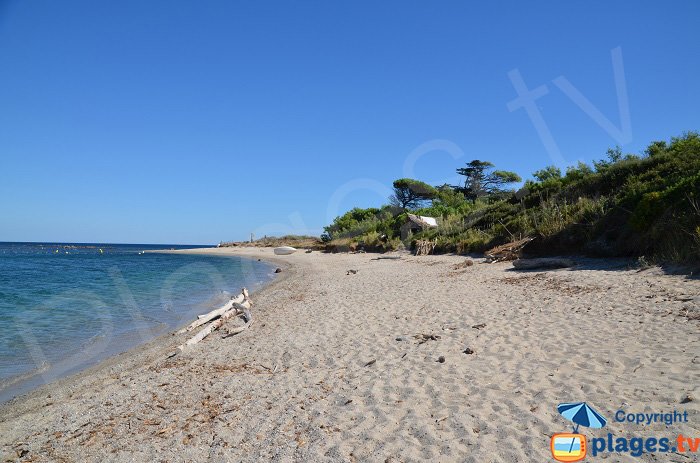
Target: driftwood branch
{"points": [[247, 318], [207, 317], [234, 309]]}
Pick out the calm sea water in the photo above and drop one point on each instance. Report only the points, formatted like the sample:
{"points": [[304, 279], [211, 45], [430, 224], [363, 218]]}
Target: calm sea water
{"points": [[64, 307]]}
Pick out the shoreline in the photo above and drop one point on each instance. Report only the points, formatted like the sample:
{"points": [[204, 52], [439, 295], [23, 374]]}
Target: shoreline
{"points": [[337, 367], [25, 387]]}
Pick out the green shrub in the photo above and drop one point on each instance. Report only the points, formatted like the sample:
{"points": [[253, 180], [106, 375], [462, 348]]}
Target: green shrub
{"points": [[627, 206]]}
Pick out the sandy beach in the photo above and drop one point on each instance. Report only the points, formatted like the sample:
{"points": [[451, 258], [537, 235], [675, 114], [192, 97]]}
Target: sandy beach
{"points": [[408, 359]]}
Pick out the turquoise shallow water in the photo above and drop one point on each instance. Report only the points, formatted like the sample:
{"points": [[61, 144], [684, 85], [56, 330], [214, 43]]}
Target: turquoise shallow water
{"points": [[64, 307]]}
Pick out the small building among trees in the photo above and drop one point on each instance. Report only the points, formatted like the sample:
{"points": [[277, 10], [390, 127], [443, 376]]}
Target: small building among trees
{"points": [[417, 223]]}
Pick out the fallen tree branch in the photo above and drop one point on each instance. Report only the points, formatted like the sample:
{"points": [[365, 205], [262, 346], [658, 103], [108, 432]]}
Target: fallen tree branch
{"points": [[247, 318], [235, 310], [205, 318]]}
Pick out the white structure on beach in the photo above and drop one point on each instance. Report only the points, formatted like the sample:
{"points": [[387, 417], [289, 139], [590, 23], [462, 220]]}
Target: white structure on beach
{"points": [[416, 223]]}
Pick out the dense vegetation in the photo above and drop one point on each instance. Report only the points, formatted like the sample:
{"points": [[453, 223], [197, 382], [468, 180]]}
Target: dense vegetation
{"points": [[624, 205]]}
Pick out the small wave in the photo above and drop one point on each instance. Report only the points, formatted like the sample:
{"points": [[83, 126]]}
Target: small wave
{"points": [[93, 339], [12, 380]]}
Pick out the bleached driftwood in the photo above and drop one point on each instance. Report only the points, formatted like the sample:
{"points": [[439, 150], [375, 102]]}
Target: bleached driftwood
{"points": [[247, 318], [215, 325], [237, 309], [216, 313], [204, 318]]}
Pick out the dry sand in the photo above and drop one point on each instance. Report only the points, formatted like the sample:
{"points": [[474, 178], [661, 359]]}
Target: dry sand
{"points": [[332, 369]]}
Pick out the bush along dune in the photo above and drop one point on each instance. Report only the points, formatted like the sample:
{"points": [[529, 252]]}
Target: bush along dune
{"points": [[645, 206]]}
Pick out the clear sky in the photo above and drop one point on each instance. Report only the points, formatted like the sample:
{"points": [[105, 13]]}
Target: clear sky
{"points": [[195, 122]]}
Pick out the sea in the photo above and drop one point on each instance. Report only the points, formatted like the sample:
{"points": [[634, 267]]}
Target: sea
{"points": [[67, 306]]}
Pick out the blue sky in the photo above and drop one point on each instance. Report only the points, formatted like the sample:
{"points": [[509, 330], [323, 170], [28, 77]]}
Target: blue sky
{"points": [[195, 122]]}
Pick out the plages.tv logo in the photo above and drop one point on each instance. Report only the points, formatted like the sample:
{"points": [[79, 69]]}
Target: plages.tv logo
{"points": [[572, 446]]}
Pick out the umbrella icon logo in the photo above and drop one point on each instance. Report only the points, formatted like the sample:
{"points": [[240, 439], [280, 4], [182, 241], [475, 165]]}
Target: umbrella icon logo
{"points": [[568, 447]]}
